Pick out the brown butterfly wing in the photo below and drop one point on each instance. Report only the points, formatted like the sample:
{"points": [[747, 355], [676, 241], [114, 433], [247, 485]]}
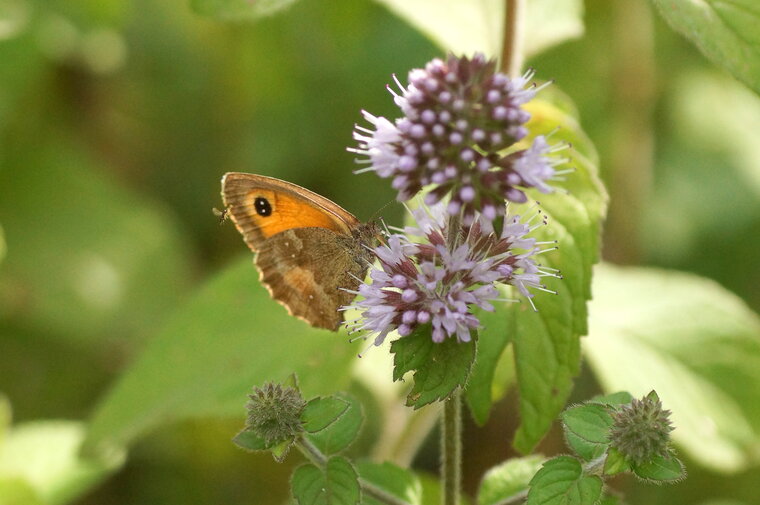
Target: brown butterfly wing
{"points": [[304, 269], [308, 247], [285, 206]]}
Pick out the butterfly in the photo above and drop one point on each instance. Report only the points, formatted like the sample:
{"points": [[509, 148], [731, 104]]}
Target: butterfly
{"points": [[311, 253]]}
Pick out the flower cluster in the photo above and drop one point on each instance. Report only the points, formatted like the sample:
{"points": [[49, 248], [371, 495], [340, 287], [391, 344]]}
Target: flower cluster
{"points": [[435, 274], [459, 117], [641, 430], [274, 412]]}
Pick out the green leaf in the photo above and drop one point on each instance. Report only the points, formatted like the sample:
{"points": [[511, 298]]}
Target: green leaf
{"points": [[724, 30], [393, 480], [493, 339], [308, 485], [342, 482], [45, 454], [249, 441], [239, 10], [586, 428], [343, 431], [281, 450], [466, 26], [322, 412], [92, 259], [205, 359], [547, 341], [660, 469], [590, 422], [560, 481], [698, 346], [615, 462], [337, 485], [509, 479], [439, 368]]}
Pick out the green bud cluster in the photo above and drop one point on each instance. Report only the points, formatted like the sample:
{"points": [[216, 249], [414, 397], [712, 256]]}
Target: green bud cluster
{"points": [[641, 430], [274, 412]]}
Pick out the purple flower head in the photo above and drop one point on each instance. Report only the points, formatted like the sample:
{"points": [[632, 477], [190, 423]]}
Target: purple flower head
{"points": [[426, 275], [459, 116]]}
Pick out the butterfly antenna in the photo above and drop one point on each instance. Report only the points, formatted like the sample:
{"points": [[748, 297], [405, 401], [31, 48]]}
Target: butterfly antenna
{"points": [[378, 211]]}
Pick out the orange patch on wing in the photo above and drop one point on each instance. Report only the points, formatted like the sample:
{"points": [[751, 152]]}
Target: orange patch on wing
{"points": [[288, 213], [304, 279]]}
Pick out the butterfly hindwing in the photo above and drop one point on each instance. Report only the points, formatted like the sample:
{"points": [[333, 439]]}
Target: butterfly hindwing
{"points": [[309, 270]]}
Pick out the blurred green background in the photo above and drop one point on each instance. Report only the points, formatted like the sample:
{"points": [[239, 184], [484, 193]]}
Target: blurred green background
{"points": [[118, 118]]}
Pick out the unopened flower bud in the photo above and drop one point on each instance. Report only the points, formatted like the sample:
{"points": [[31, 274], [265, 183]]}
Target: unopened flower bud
{"points": [[274, 412], [641, 430]]}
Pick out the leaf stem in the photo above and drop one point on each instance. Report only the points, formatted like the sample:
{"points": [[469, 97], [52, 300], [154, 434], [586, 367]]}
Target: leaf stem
{"points": [[451, 448], [311, 452], [511, 46], [315, 456]]}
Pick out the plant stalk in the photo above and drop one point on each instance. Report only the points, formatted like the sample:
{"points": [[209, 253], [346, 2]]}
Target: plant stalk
{"points": [[451, 449], [512, 41]]}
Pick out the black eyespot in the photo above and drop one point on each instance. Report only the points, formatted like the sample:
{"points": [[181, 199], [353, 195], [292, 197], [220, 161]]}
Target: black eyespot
{"points": [[263, 207]]}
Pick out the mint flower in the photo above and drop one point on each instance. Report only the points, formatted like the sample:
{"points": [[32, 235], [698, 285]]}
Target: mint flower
{"points": [[459, 116], [427, 277]]}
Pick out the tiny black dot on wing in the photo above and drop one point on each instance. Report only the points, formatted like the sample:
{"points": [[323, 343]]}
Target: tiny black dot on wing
{"points": [[262, 206]]}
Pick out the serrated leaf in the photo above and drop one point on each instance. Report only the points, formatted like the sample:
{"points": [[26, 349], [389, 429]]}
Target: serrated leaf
{"points": [[466, 26], [343, 431], [692, 341], [45, 454], [308, 485], [338, 484], [508, 480], [590, 422], [392, 480], [724, 30], [239, 10], [249, 441], [439, 368], [660, 469], [342, 482], [546, 342], [320, 413], [583, 448], [280, 450], [615, 462], [224, 327], [493, 339], [560, 481]]}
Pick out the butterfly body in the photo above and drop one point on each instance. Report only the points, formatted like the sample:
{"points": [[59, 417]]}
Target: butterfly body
{"points": [[310, 251]]}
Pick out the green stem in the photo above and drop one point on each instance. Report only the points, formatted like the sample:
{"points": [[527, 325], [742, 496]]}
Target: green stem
{"points": [[311, 452], [315, 456], [451, 449], [511, 46]]}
